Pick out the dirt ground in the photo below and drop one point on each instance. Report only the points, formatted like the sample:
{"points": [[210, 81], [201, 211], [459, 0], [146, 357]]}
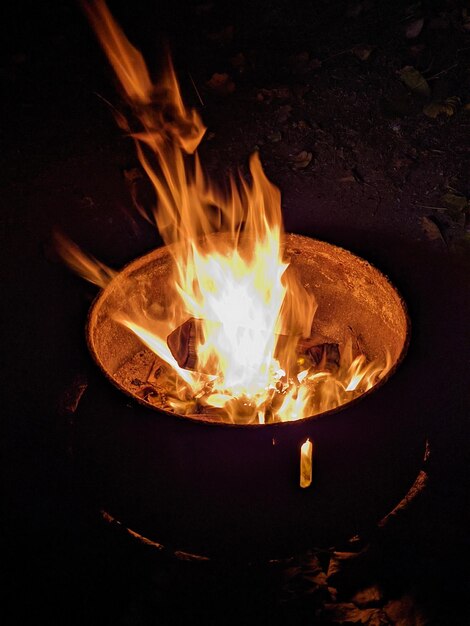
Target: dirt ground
{"points": [[361, 114]]}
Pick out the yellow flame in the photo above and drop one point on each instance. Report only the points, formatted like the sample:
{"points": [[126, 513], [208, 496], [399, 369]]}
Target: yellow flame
{"points": [[243, 294]]}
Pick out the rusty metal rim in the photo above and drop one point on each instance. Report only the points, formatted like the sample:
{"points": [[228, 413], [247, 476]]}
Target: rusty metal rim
{"points": [[281, 424]]}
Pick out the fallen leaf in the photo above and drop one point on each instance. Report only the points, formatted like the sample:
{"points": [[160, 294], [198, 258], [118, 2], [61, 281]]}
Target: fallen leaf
{"points": [[337, 560], [431, 230], [447, 107], [306, 578], [414, 28], [363, 51], [414, 80], [348, 613], [301, 160], [221, 84], [367, 597], [403, 612]]}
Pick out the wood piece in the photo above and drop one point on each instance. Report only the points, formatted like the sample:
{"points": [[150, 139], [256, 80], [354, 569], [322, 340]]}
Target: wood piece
{"points": [[184, 340], [325, 357]]}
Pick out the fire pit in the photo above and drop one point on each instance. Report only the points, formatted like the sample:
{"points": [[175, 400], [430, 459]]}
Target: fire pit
{"points": [[253, 358], [188, 481]]}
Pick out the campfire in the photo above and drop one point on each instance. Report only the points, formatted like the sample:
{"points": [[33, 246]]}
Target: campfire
{"points": [[240, 346], [232, 320]]}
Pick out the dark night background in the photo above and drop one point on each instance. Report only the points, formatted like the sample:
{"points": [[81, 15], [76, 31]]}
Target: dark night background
{"points": [[315, 86]]}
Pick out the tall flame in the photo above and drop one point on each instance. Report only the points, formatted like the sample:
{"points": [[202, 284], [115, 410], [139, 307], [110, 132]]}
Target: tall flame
{"points": [[248, 303]]}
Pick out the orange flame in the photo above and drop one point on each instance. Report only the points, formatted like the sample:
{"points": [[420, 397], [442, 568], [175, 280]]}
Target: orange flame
{"points": [[243, 294]]}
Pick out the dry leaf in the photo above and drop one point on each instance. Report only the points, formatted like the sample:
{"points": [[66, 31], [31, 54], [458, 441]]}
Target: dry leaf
{"points": [[306, 579], [301, 160], [448, 107], [363, 51], [337, 560], [367, 597], [415, 81], [403, 612], [414, 28], [221, 84], [431, 230], [348, 613]]}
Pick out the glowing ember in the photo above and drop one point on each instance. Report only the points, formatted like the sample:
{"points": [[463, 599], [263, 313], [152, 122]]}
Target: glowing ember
{"points": [[242, 318]]}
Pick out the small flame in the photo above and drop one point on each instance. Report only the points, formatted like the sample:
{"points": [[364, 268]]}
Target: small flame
{"points": [[244, 294]]}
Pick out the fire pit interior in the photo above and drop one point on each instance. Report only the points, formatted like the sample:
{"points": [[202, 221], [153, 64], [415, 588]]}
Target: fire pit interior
{"points": [[358, 309]]}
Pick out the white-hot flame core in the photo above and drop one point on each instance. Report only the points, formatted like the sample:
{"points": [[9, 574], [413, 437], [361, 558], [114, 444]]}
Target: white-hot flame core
{"points": [[244, 294]]}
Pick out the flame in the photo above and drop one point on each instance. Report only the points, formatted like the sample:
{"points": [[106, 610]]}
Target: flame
{"points": [[243, 294]]}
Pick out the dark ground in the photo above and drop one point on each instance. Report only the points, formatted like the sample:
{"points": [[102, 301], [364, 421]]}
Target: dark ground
{"points": [[316, 87]]}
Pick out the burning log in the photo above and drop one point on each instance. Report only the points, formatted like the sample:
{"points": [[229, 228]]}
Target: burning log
{"points": [[184, 341]]}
